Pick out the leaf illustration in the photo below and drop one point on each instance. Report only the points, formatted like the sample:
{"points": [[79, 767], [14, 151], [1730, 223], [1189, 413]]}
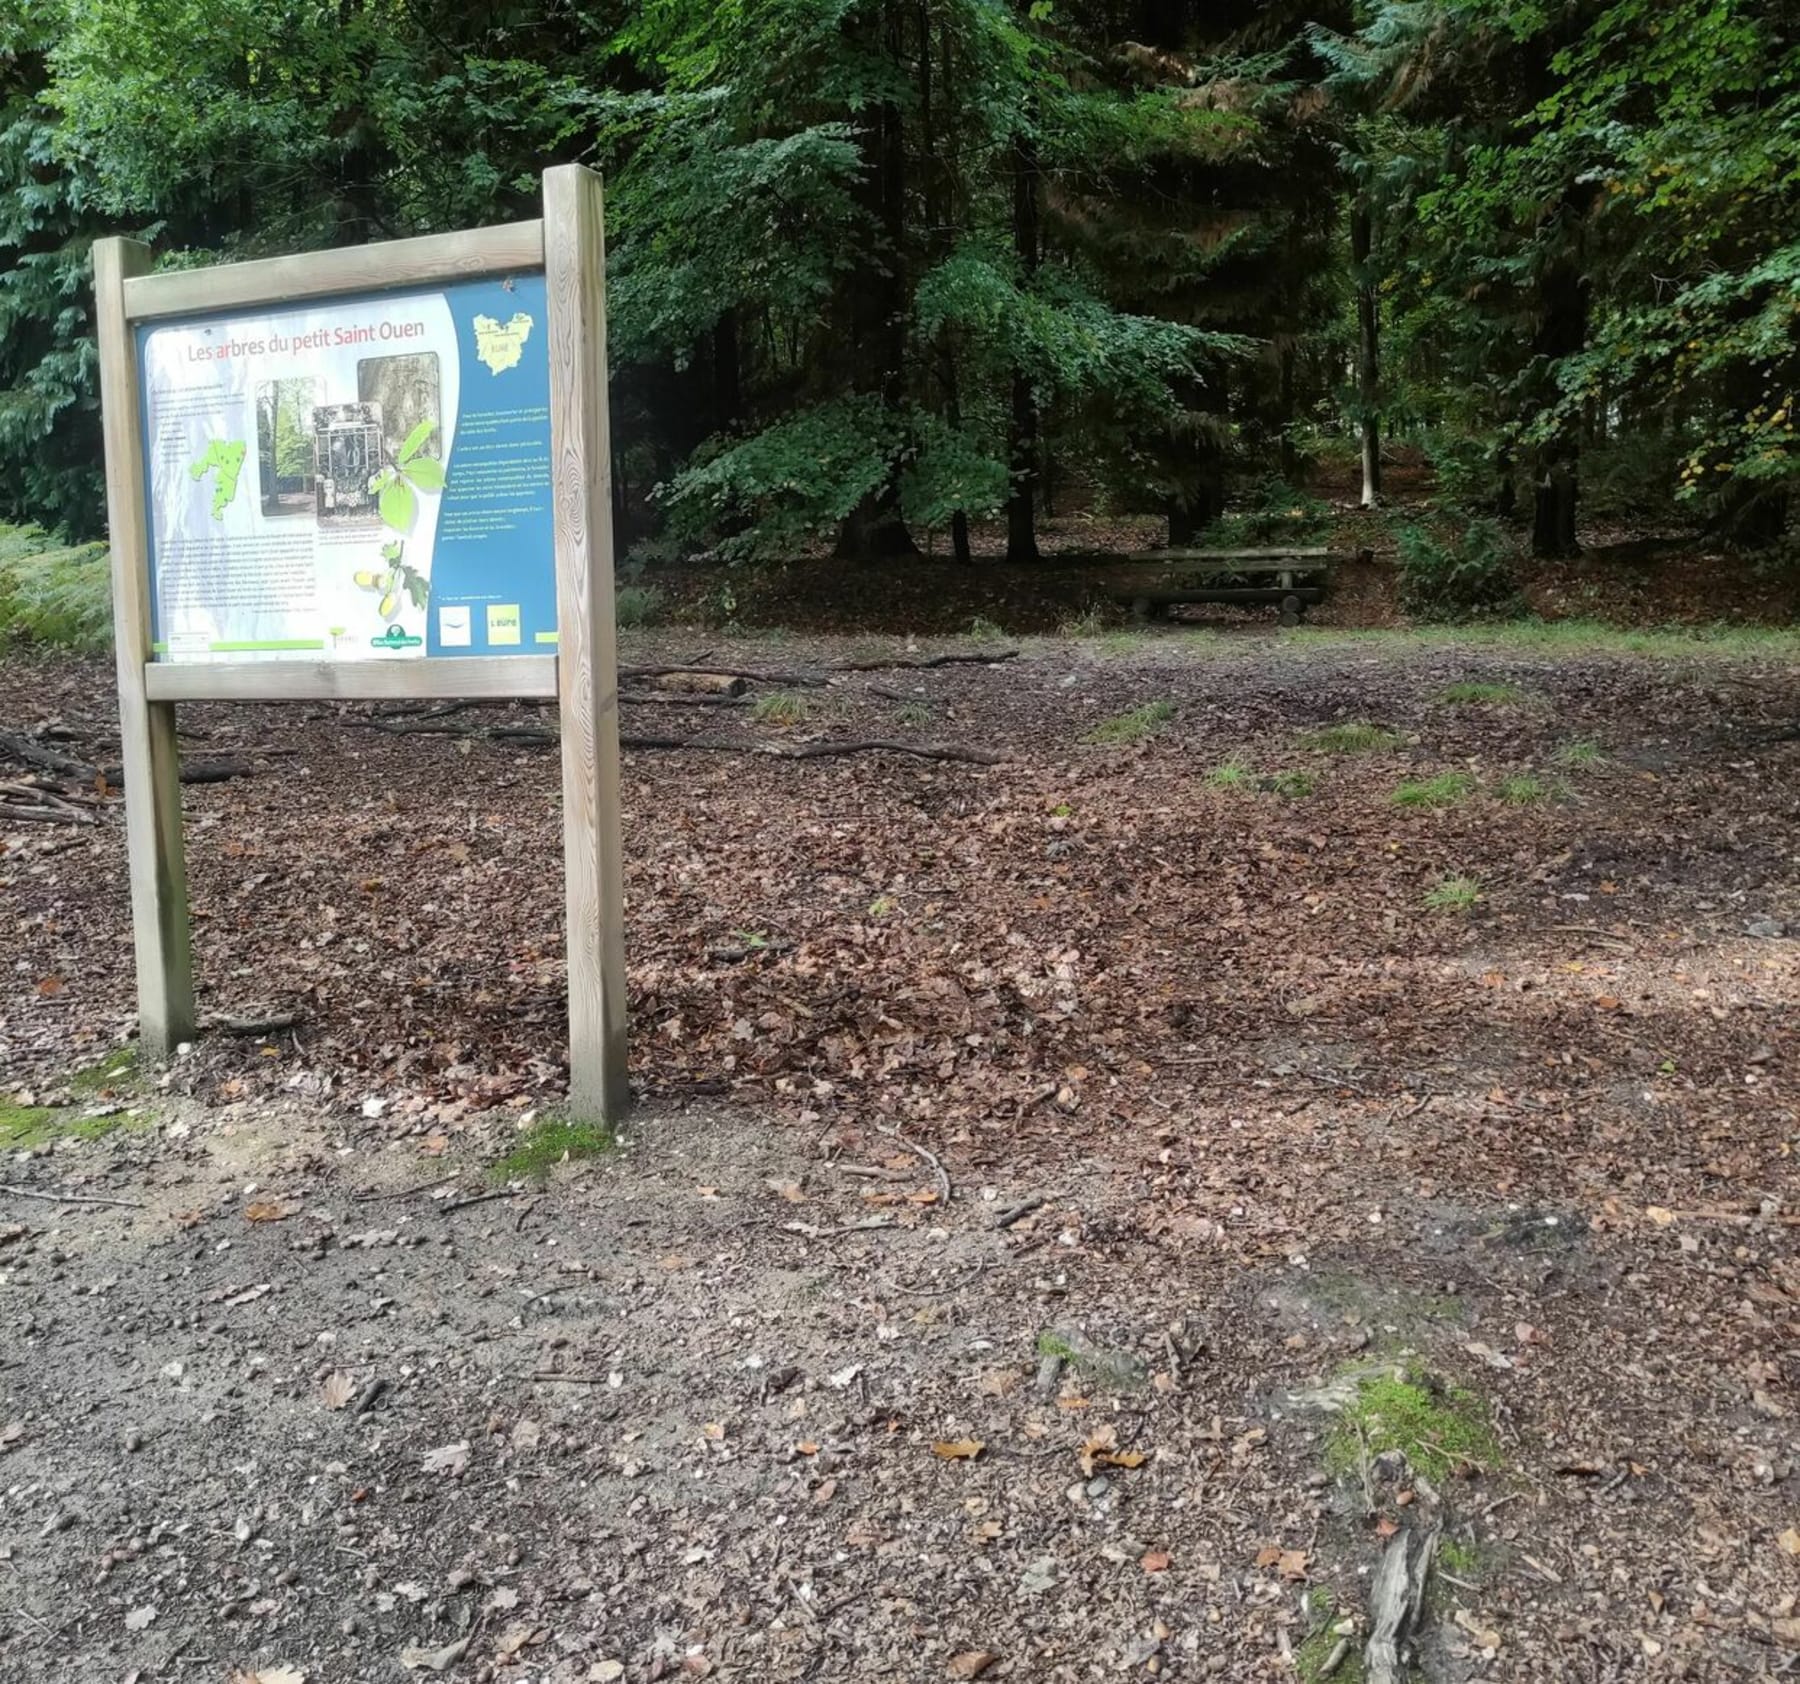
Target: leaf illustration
{"points": [[427, 473], [397, 504], [418, 587], [415, 441], [391, 552]]}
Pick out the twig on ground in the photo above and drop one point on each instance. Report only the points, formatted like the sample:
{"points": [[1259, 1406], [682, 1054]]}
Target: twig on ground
{"points": [[273, 1024], [452, 1205], [943, 1175], [549, 1375], [807, 1231], [1018, 1212], [70, 1198], [988, 658], [408, 1192], [943, 1291]]}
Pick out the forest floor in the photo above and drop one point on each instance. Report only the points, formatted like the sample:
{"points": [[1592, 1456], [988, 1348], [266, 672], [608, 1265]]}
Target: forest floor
{"points": [[1410, 1170]]}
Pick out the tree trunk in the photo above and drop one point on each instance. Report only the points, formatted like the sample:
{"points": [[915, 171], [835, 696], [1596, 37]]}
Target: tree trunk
{"points": [[878, 312], [1189, 517], [1022, 440], [1368, 350], [1561, 332]]}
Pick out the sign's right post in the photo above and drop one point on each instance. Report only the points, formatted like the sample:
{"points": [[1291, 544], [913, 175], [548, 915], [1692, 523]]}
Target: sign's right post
{"points": [[587, 660]]}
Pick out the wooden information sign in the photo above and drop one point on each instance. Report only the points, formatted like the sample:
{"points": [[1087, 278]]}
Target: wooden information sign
{"points": [[372, 473]]}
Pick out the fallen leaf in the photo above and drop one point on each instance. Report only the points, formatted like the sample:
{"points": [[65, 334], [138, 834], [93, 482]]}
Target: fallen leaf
{"points": [[1292, 1564], [415, 1659], [1484, 1636], [50, 985], [1659, 1215], [265, 1210], [1607, 1002], [1790, 1540], [792, 1191], [448, 1458], [824, 1491], [971, 1663], [958, 1449], [138, 1618], [1155, 1561], [337, 1390], [269, 1675]]}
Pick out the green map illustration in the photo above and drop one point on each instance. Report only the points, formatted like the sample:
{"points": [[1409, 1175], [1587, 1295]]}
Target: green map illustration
{"points": [[498, 344], [225, 459]]}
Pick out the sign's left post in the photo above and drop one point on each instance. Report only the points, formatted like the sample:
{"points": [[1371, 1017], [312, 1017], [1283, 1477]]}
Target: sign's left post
{"points": [[147, 745]]}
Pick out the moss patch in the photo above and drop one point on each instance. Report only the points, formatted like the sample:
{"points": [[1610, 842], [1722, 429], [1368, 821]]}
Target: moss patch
{"points": [[550, 1143], [1437, 1427], [1311, 1658], [115, 1073], [24, 1126]]}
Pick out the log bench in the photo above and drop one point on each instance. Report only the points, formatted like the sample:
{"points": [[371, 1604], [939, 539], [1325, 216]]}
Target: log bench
{"points": [[1291, 579]]}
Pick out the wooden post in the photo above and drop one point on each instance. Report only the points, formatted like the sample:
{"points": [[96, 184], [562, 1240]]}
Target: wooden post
{"points": [[152, 768], [587, 664]]}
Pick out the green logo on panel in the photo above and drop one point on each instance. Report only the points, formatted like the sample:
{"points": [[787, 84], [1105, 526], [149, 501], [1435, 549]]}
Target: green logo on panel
{"points": [[395, 638]]}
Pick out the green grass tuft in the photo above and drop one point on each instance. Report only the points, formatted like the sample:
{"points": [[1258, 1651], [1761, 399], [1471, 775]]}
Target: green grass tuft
{"points": [[782, 707], [1311, 1658], [983, 630], [1523, 790], [549, 1143], [1494, 694], [1232, 775], [915, 713], [1295, 786], [1355, 737], [1437, 1427], [1134, 725], [1581, 754], [1453, 894], [1447, 789]]}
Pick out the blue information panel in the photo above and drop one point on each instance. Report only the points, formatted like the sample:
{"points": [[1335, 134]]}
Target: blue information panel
{"points": [[358, 478]]}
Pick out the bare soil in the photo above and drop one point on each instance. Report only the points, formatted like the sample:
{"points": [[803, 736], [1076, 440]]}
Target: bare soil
{"points": [[681, 1411]]}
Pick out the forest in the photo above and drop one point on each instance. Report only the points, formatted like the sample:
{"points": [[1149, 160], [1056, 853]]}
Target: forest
{"points": [[901, 276]]}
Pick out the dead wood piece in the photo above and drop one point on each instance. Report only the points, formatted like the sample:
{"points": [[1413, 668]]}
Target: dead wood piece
{"points": [[69, 1198], [969, 1279], [943, 1175], [1024, 1208], [791, 680], [732, 699], [988, 658], [272, 1024], [818, 750], [27, 801], [699, 683], [451, 1206], [807, 1230], [192, 772], [367, 1397], [1395, 1600], [34, 753]]}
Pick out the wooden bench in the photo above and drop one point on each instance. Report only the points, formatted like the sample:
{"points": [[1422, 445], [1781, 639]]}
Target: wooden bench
{"points": [[1292, 579]]}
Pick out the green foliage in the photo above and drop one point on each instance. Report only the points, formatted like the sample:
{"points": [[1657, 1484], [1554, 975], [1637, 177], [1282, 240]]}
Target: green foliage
{"points": [[1293, 784], [53, 593], [782, 707], [1132, 726], [1447, 789], [547, 1143], [1438, 1428], [1455, 571], [1453, 894], [1579, 755], [1232, 776], [1352, 737], [1483, 693], [1522, 790], [637, 605], [914, 714]]}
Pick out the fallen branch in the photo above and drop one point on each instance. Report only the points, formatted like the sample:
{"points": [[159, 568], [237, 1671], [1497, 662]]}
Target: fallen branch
{"points": [[943, 1175], [270, 1025], [1394, 1603], [676, 700], [820, 750], [1018, 1212], [34, 753], [927, 661], [942, 1291], [70, 1198], [797, 680], [451, 1206], [807, 1231]]}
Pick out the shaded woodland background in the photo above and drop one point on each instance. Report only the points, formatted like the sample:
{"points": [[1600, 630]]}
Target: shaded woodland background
{"points": [[899, 274]]}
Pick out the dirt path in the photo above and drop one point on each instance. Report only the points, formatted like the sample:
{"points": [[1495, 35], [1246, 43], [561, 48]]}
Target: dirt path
{"points": [[1296, 1135]]}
